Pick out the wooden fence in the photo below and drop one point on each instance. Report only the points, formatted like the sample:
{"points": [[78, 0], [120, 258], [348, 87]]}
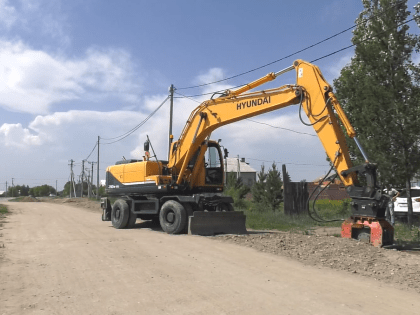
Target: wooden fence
{"points": [[295, 195]]}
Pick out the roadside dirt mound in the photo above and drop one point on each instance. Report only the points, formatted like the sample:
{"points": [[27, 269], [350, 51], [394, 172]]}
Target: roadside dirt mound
{"points": [[85, 203], [391, 266], [29, 199]]}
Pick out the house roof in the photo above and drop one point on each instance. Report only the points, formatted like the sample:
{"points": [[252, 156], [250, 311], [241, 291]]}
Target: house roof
{"points": [[232, 166]]}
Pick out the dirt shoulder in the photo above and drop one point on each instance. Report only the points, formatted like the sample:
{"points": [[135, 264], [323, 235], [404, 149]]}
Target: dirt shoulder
{"points": [[388, 266], [84, 203]]}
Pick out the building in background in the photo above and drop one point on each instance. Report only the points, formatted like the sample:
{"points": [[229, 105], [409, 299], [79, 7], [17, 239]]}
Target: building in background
{"points": [[244, 171]]}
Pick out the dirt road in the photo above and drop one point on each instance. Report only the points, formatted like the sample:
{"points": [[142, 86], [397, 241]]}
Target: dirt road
{"points": [[63, 260]]}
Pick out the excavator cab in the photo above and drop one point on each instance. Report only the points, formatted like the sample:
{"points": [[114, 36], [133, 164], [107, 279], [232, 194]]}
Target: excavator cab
{"points": [[213, 164]]}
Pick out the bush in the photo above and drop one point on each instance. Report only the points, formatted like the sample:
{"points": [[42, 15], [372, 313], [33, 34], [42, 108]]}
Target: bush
{"points": [[267, 192]]}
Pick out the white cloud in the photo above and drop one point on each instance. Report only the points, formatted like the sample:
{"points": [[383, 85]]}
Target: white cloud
{"points": [[14, 135], [8, 15], [33, 80], [42, 17]]}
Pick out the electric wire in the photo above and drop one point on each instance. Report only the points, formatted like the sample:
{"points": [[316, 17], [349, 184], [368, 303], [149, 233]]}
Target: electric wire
{"points": [[292, 54], [285, 163], [322, 57], [125, 135], [96, 144], [299, 132]]}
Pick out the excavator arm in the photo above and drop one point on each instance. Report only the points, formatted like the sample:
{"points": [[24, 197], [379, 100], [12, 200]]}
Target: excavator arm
{"points": [[315, 96], [311, 91]]}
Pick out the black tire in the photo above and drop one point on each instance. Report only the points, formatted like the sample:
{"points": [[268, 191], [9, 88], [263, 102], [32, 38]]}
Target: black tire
{"points": [[190, 212], [173, 217], [224, 207], [131, 220], [120, 214]]}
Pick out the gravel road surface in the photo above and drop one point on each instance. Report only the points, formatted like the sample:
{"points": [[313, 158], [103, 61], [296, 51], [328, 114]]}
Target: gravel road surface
{"points": [[59, 259]]}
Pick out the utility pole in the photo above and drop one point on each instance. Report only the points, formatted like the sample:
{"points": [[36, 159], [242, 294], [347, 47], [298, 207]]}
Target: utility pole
{"points": [[71, 178], [91, 179], [6, 188], [171, 91], [56, 193], [83, 171], [239, 169], [13, 186], [97, 175], [88, 180]]}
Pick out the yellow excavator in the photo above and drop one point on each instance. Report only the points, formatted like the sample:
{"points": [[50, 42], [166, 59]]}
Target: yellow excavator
{"points": [[184, 193]]}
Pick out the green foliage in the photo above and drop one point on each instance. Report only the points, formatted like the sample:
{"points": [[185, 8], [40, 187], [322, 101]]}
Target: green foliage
{"points": [[269, 220], [267, 192], [379, 90], [66, 190], [102, 192], [404, 234], [236, 189], [42, 191], [333, 209], [18, 190], [3, 209]]}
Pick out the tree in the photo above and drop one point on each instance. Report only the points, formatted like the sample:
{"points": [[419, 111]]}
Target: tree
{"points": [[258, 190], [379, 90], [18, 190], [267, 191], [42, 191], [236, 189]]}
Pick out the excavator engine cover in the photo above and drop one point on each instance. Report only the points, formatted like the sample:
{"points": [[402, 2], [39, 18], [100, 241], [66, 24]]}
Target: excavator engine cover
{"points": [[207, 223], [377, 232]]}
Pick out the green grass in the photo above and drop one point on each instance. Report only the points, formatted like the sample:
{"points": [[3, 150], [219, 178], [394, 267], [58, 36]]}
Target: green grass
{"points": [[17, 199], [403, 234], [277, 220], [3, 209], [326, 209]]}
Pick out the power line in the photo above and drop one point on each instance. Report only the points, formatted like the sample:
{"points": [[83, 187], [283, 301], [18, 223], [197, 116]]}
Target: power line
{"points": [[125, 135], [312, 61], [300, 164], [92, 151], [302, 133], [290, 55]]}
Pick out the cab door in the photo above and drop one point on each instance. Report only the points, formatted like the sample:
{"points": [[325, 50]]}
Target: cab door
{"points": [[213, 164]]}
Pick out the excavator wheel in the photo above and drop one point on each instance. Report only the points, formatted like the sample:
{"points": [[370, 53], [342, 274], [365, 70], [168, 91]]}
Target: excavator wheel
{"points": [[173, 217], [190, 212], [120, 214], [132, 220], [224, 207]]}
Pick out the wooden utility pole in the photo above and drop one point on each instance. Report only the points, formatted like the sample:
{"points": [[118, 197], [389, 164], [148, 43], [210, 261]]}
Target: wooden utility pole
{"points": [[88, 180], [83, 172], [91, 179], [97, 175], [71, 178], [171, 109]]}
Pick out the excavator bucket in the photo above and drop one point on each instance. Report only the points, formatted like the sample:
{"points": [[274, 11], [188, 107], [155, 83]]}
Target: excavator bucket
{"points": [[214, 222]]}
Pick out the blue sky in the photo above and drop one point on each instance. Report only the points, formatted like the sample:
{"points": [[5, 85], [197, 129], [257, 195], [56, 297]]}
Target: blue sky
{"points": [[71, 71]]}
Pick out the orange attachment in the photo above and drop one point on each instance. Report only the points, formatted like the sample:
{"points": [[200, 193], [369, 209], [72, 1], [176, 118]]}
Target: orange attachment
{"points": [[377, 232]]}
